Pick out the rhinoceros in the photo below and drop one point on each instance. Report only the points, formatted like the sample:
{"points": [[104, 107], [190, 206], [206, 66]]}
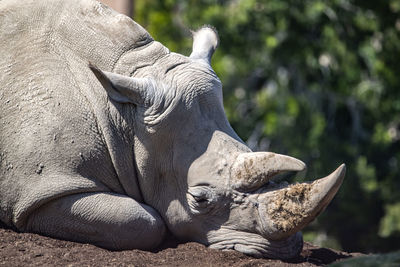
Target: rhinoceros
{"points": [[107, 137]]}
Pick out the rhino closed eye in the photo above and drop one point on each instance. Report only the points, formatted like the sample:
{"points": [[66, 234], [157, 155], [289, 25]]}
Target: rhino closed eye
{"points": [[200, 200]]}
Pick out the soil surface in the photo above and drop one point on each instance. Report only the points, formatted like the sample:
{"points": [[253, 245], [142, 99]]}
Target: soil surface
{"points": [[24, 249]]}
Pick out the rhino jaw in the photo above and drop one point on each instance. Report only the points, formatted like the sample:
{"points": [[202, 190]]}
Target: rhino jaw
{"points": [[285, 211], [259, 247]]}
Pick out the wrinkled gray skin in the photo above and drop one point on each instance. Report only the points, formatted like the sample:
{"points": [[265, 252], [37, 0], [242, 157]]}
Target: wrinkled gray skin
{"points": [[107, 137]]}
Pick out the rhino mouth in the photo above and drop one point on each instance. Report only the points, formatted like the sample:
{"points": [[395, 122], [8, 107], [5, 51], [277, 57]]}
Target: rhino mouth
{"points": [[257, 246]]}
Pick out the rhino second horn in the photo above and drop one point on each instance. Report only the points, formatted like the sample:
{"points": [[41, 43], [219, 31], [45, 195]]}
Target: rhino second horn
{"points": [[252, 170], [205, 42], [286, 211]]}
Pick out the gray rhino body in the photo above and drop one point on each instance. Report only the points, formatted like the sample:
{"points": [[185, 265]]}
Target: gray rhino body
{"points": [[107, 137]]}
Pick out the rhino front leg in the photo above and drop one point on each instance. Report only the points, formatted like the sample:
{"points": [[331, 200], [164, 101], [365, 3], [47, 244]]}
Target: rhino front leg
{"points": [[107, 220]]}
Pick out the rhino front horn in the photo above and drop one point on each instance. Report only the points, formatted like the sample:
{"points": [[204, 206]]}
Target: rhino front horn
{"points": [[252, 170], [286, 211]]}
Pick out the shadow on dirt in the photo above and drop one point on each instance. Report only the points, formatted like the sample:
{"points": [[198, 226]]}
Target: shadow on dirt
{"points": [[319, 256]]}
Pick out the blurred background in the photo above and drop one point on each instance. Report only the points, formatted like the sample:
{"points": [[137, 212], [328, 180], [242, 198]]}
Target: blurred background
{"points": [[317, 80]]}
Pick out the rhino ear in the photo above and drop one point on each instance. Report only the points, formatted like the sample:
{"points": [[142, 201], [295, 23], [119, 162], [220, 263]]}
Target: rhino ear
{"points": [[124, 89], [205, 41]]}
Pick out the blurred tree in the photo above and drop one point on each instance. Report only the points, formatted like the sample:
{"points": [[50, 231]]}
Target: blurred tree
{"points": [[318, 80]]}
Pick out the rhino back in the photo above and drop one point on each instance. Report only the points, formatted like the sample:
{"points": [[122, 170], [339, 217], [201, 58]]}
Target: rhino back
{"points": [[56, 124]]}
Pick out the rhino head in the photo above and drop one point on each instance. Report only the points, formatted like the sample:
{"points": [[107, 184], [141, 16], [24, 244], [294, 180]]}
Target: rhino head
{"points": [[197, 173]]}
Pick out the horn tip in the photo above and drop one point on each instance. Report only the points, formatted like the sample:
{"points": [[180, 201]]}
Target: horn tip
{"points": [[341, 169], [335, 179], [301, 166]]}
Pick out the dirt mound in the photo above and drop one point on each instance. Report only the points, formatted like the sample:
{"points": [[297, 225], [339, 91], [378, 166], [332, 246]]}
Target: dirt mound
{"points": [[22, 249]]}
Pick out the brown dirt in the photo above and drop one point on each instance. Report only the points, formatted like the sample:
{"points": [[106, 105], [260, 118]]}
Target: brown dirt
{"points": [[23, 249]]}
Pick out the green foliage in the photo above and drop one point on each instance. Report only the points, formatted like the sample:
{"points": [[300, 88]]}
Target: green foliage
{"points": [[318, 80], [390, 223]]}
